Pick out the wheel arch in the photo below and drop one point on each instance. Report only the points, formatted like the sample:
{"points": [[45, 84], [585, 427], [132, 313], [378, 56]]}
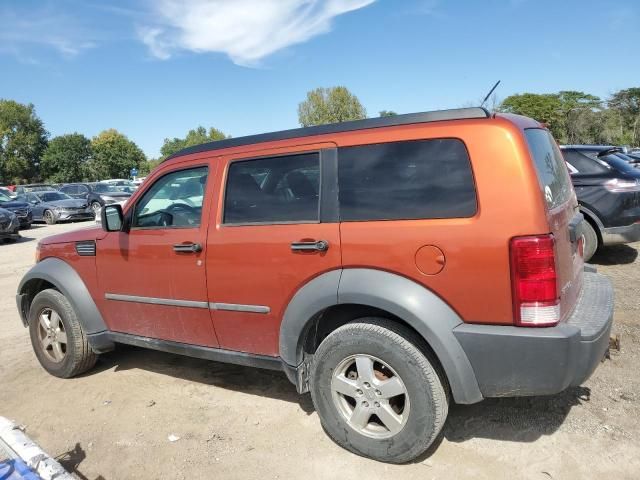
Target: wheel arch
{"points": [[57, 274], [358, 292]]}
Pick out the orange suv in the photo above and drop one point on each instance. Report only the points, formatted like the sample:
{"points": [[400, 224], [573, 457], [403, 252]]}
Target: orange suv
{"points": [[389, 266]]}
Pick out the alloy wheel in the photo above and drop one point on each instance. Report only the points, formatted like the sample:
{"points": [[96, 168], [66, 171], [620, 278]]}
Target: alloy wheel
{"points": [[370, 396], [52, 335]]}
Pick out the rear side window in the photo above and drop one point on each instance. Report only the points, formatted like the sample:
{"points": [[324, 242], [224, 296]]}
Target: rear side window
{"points": [[419, 179], [583, 164], [552, 171], [283, 189]]}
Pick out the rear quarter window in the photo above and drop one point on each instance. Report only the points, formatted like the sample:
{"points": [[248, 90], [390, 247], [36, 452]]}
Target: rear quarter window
{"points": [[420, 179], [549, 162]]}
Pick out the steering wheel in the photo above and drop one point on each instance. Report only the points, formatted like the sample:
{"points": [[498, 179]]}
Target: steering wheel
{"points": [[180, 206]]}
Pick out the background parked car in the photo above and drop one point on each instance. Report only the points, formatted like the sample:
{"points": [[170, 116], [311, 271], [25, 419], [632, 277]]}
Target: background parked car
{"points": [[608, 190], [34, 187], [7, 191], [9, 225], [123, 184], [22, 209], [97, 195], [53, 206]]}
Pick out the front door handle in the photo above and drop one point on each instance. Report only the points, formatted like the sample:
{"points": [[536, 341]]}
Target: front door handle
{"points": [[187, 248], [313, 246]]}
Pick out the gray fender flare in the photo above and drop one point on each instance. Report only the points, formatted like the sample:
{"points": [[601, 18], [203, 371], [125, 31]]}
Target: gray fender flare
{"points": [[66, 279], [422, 309]]}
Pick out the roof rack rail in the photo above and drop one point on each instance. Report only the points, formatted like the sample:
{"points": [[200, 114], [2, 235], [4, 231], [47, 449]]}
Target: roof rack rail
{"points": [[406, 119]]}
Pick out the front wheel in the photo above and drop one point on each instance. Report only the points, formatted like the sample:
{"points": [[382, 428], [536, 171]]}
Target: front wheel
{"points": [[49, 217], [376, 392], [58, 340], [95, 206]]}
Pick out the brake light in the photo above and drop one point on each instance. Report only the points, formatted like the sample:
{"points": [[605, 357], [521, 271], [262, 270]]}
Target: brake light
{"points": [[536, 302], [619, 185]]}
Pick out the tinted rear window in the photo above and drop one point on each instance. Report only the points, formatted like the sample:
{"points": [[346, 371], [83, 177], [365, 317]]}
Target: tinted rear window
{"points": [[552, 171], [583, 164], [406, 180]]}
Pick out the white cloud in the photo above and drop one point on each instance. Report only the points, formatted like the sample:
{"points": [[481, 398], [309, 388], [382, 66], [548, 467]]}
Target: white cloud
{"points": [[20, 32], [246, 30]]}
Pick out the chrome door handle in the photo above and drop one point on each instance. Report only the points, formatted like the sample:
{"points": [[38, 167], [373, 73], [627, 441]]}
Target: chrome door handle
{"points": [[187, 248], [319, 246]]}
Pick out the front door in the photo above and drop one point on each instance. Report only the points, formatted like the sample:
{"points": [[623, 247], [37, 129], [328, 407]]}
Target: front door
{"points": [[153, 277], [277, 230]]}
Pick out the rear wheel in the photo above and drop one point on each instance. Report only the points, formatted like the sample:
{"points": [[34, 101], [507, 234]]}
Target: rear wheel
{"points": [[49, 217], [590, 241], [57, 337], [377, 394]]}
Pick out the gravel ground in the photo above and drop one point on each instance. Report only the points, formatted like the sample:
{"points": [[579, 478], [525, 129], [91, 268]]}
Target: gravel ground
{"points": [[231, 422]]}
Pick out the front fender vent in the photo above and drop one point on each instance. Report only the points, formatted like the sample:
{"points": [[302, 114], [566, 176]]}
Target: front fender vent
{"points": [[86, 248]]}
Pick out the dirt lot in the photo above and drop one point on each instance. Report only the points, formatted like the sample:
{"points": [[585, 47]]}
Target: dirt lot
{"points": [[234, 422]]}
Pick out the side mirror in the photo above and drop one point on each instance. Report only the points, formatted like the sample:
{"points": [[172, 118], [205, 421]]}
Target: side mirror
{"points": [[112, 218]]}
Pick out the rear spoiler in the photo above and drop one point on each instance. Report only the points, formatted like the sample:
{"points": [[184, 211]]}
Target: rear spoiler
{"points": [[609, 151]]}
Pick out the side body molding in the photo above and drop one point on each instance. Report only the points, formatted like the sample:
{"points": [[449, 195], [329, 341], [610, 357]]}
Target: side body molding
{"points": [[66, 279], [427, 313]]}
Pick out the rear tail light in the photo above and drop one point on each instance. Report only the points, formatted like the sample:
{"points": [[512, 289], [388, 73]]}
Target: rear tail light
{"points": [[536, 302], [620, 185]]}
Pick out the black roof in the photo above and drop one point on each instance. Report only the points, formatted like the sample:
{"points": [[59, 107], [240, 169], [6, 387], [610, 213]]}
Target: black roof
{"points": [[406, 119]]}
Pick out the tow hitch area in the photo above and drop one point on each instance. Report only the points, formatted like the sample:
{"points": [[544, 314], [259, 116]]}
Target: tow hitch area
{"points": [[22, 459]]}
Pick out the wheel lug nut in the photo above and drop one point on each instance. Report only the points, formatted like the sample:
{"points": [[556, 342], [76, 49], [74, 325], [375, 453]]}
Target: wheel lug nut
{"points": [[366, 404], [377, 405], [359, 392], [366, 384], [378, 392]]}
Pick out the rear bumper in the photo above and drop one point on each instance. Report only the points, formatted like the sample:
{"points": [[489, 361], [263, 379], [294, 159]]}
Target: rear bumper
{"points": [[616, 235], [515, 361]]}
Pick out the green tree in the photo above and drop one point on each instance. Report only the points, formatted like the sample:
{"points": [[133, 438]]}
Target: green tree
{"points": [[113, 156], [330, 105], [147, 167], [196, 136], [66, 158], [388, 113], [580, 118], [627, 103], [545, 108], [23, 138]]}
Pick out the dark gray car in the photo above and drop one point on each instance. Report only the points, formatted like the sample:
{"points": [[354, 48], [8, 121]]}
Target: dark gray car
{"points": [[54, 206], [9, 225]]}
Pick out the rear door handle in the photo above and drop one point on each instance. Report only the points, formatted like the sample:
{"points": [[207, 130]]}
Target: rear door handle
{"points": [[187, 248], [319, 246]]}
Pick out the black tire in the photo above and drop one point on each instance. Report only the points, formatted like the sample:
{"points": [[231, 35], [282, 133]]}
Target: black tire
{"points": [[425, 386], [49, 217], [591, 243], [78, 357]]}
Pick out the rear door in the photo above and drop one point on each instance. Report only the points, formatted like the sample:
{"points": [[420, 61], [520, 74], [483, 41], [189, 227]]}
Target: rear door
{"points": [[277, 229], [563, 215]]}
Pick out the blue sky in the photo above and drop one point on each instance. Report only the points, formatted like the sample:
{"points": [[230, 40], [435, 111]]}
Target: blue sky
{"points": [[156, 68]]}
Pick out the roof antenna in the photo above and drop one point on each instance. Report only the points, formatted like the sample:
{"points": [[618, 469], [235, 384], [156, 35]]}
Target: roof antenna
{"points": [[489, 94]]}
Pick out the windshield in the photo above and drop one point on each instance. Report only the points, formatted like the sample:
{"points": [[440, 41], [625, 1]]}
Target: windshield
{"points": [[106, 188], [4, 197], [53, 196]]}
